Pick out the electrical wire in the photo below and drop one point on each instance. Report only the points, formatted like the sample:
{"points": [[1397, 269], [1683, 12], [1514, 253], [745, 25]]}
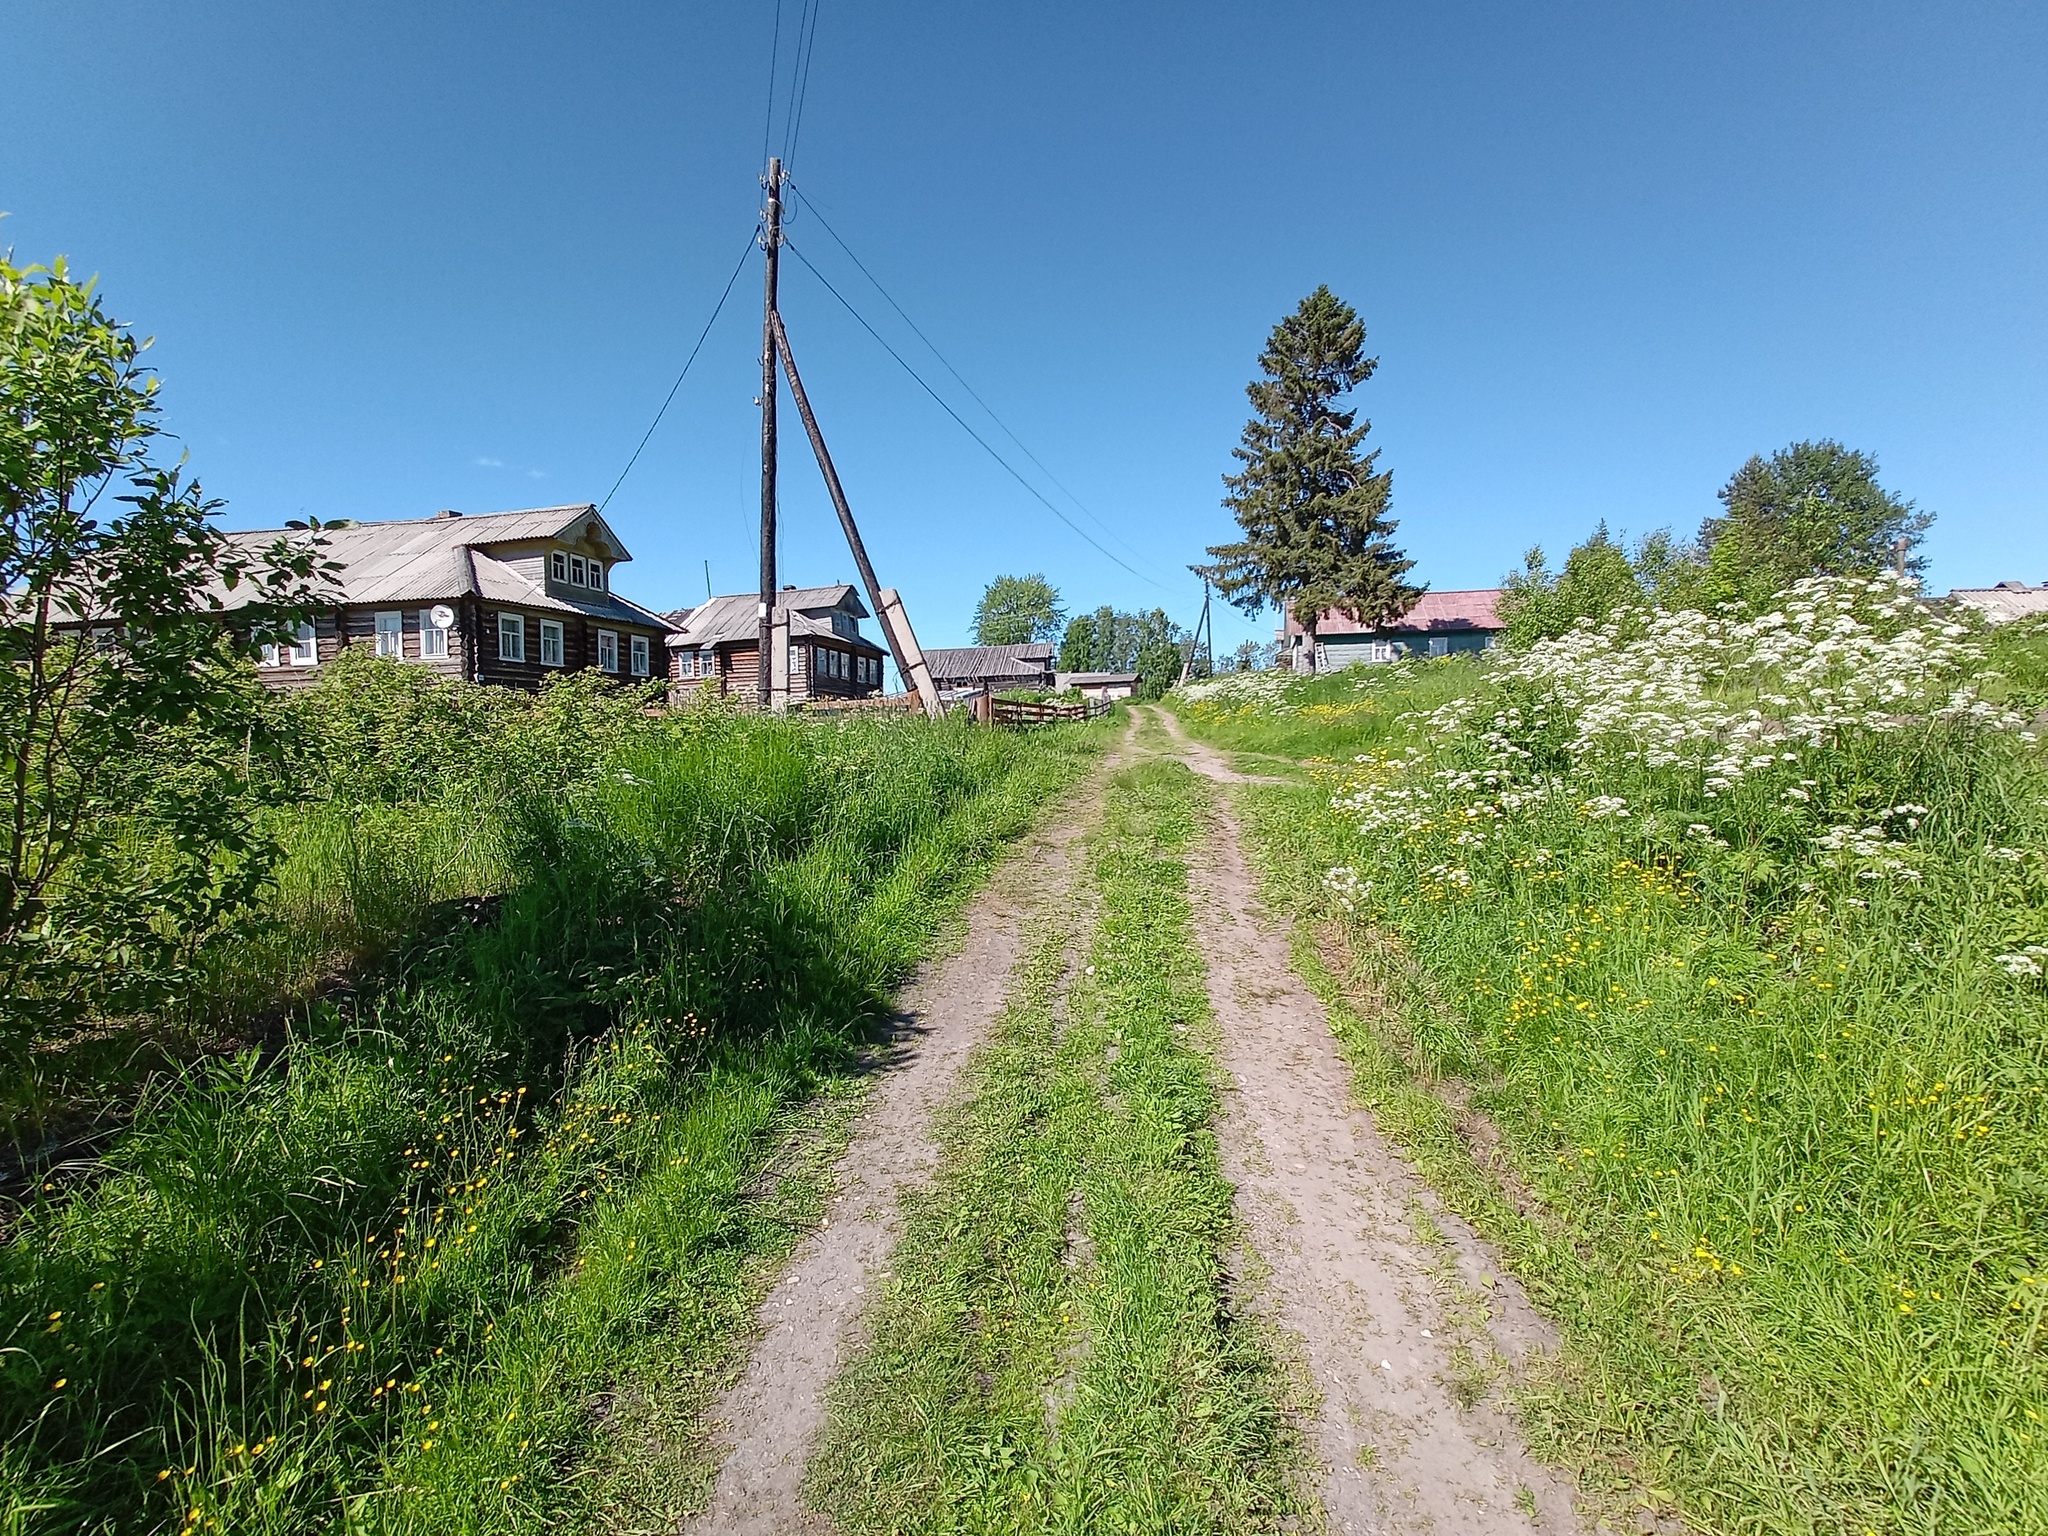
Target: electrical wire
{"points": [[903, 363], [716, 310], [800, 79], [1023, 447]]}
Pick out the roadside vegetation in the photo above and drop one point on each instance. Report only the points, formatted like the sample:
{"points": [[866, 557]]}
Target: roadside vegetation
{"points": [[1700, 961], [463, 1117], [1057, 1347]]}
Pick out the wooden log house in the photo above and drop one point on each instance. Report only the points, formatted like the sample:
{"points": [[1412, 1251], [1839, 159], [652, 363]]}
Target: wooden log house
{"points": [[717, 645], [526, 595]]}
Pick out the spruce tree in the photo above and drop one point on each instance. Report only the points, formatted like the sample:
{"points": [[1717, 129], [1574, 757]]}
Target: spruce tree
{"points": [[1313, 507]]}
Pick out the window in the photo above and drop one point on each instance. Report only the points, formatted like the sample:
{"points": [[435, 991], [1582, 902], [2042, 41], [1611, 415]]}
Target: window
{"points": [[1439, 645], [558, 566], [639, 646], [390, 634], [607, 650], [550, 643], [433, 638], [511, 637], [576, 569], [305, 648], [597, 575]]}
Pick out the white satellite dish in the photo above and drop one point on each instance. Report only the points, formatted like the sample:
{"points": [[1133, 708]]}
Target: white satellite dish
{"points": [[443, 616]]}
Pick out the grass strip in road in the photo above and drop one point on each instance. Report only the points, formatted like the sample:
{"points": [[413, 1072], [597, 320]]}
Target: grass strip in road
{"points": [[1058, 1347]]}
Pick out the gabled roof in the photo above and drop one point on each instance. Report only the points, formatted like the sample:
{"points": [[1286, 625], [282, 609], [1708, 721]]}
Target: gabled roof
{"points": [[737, 616], [2007, 601], [974, 661], [437, 559], [1435, 613]]}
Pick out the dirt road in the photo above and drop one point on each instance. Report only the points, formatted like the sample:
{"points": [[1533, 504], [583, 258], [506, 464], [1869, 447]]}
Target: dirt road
{"points": [[1398, 1307], [1398, 1312], [770, 1419]]}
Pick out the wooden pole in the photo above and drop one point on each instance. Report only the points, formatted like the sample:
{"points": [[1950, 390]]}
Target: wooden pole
{"points": [[1187, 665], [839, 502], [771, 241]]}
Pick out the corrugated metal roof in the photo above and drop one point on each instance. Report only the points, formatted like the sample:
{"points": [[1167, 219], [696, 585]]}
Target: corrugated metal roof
{"points": [[2007, 601], [737, 615], [978, 661], [416, 559], [1434, 613], [436, 559]]}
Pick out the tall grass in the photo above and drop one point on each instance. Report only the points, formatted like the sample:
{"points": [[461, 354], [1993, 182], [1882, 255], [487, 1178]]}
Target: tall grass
{"points": [[373, 1276], [1774, 1100]]}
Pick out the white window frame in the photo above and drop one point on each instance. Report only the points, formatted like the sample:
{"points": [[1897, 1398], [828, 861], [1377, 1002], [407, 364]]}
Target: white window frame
{"points": [[1439, 645], [640, 656], [551, 630], [576, 571], [512, 629], [596, 570], [305, 648], [390, 631], [608, 650], [558, 565], [433, 638]]}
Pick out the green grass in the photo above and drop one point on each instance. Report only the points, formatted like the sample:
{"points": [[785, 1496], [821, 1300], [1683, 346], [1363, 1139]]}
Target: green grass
{"points": [[395, 1274], [1776, 1157], [1059, 1346], [1329, 717]]}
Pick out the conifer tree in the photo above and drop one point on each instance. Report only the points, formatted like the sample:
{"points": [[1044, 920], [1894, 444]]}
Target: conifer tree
{"points": [[1312, 506]]}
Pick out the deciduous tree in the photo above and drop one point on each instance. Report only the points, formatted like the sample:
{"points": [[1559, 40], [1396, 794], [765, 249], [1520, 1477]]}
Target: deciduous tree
{"points": [[1015, 610], [1811, 509], [129, 724], [1311, 504]]}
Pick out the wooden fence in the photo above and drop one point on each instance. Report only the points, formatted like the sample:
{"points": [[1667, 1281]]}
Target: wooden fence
{"points": [[1024, 712]]}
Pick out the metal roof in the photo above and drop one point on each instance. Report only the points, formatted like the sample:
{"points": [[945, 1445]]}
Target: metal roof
{"points": [[1434, 613], [2007, 601], [737, 616], [434, 559]]}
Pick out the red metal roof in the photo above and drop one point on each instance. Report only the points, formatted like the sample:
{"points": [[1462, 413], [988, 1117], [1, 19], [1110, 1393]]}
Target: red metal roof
{"points": [[1436, 613]]}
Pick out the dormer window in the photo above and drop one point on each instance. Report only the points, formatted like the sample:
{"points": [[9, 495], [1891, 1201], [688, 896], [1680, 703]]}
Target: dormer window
{"points": [[558, 565], [597, 575], [576, 570]]}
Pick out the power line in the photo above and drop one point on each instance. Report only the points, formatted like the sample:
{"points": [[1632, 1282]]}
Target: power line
{"points": [[800, 79], [903, 363], [1023, 447], [715, 311]]}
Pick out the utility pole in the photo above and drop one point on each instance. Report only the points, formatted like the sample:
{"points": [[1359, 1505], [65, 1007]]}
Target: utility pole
{"points": [[771, 242], [1205, 624], [910, 663]]}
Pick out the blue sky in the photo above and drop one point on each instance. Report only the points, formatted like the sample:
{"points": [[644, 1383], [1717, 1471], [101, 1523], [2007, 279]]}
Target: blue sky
{"points": [[398, 258]]}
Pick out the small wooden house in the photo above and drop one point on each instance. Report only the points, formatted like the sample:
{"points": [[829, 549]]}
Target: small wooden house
{"points": [[1440, 624], [718, 645], [495, 597]]}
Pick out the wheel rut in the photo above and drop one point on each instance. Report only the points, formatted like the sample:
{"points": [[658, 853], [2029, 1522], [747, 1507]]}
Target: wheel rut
{"points": [[808, 1324], [1400, 1311]]}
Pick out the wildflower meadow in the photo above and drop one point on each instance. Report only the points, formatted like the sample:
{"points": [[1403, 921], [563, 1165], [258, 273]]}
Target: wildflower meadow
{"points": [[1701, 960]]}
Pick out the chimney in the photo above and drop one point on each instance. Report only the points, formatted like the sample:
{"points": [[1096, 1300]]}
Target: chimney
{"points": [[444, 514]]}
